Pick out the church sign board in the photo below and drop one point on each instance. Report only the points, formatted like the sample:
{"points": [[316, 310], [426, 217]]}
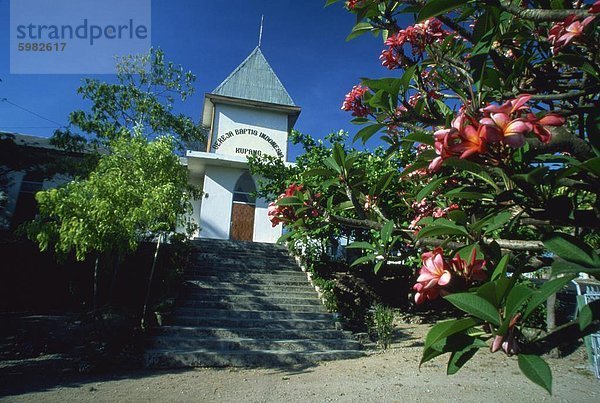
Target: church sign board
{"points": [[253, 141]]}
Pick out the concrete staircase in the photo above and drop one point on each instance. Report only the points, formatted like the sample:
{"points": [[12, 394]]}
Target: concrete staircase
{"points": [[247, 304]]}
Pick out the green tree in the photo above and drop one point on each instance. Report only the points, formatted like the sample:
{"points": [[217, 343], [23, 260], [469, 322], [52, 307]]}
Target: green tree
{"points": [[137, 192], [144, 94]]}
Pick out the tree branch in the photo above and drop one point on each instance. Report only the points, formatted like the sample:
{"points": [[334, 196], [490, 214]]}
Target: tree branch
{"points": [[562, 141], [538, 15], [510, 244], [564, 334]]}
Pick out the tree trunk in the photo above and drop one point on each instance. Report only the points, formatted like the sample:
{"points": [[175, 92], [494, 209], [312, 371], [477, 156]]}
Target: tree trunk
{"points": [[95, 297], [144, 311], [114, 280], [550, 313]]}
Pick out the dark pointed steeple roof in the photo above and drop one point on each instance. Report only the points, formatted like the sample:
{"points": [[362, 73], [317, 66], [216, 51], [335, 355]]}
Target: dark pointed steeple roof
{"points": [[255, 80]]}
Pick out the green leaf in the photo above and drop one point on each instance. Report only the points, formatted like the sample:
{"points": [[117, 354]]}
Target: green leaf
{"points": [[339, 155], [497, 222], [500, 270], [345, 205], [282, 239], [430, 353], [458, 216], [378, 266], [545, 291], [476, 306], [386, 232], [515, 299], [468, 195], [444, 109], [358, 30], [367, 132], [420, 137], [576, 61], [571, 249], [381, 100], [536, 369], [441, 226], [363, 259], [414, 167], [585, 317], [361, 245], [592, 127], [592, 165], [330, 2], [446, 328], [383, 183], [330, 162], [389, 85], [407, 77], [318, 172], [433, 8], [430, 187], [560, 266], [459, 358], [535, 177], [289, 201]]}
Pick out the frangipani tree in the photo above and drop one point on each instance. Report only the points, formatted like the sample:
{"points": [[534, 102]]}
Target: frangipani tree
{"points": [[498, 102]]}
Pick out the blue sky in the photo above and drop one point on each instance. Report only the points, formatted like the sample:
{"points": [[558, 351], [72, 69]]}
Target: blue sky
{"points": [[303, 41]]}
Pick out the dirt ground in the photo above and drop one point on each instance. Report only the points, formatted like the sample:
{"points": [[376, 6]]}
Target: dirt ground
{"points": [[391, 375]]}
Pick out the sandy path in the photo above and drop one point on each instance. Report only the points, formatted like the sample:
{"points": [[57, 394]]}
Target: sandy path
{"points": [[392, 375]]}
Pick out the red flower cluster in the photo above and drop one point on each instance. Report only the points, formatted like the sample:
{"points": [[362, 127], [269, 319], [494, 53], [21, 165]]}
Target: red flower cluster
{"points": [[437, 273], [562, 33], [426, 208], [507, 124], [352, 4], [354, 101], [418, 36], [278, 214], [283, 214], [595, 8]]}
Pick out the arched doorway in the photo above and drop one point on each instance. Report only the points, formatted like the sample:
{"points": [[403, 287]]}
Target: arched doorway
{"points": [[242, 209]]}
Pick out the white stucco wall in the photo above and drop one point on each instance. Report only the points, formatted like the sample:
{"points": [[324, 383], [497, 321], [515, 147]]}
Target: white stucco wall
{"points": [[197, 181], [263, 230], [241, 131], [215, 216]]}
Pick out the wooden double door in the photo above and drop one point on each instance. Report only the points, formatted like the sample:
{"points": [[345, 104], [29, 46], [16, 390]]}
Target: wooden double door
{"points": [[242, 221]]}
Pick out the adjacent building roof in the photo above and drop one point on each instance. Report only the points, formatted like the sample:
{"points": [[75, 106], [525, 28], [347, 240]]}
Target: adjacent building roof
{"points": [[255, 80]]}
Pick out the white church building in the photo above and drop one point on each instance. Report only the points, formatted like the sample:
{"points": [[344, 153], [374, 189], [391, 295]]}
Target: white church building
{"points": [[250, 113]]}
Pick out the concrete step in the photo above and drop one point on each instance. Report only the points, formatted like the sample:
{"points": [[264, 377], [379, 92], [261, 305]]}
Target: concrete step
{"points": [[247, 304], [229, 255], [248, 275], [248, 300], [231, 322], [244, 280], [237, 269], [250, 332], [191, 306], [239, 343], [201, 313], [233, 247], [217, 287], [252, 358], [235, 291]]}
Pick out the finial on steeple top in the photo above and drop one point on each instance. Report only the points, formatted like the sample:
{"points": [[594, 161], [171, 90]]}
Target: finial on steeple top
{"points": [[260, 32]]}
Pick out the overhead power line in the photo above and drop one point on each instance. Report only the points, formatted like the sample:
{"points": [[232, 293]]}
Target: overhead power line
{"points": [[31, 112]]}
